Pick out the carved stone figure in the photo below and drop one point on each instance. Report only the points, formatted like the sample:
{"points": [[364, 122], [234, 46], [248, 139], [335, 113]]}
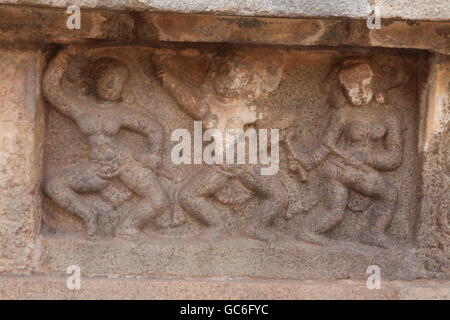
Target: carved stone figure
{"points": [[226, 100], [362, 137], [100, 116]]}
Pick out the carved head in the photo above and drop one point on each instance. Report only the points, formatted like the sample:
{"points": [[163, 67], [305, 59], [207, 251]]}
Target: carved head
{"points": [[109, 77], [356, 78], [231, 75]]}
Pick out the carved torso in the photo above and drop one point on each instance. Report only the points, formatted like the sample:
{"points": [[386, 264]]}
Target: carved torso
{"points": [[100, 125], [363, 127]]}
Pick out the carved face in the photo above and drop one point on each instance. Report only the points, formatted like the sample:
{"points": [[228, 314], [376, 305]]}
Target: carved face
{"points": [[110, 77], [357, 82], [231, 78]]}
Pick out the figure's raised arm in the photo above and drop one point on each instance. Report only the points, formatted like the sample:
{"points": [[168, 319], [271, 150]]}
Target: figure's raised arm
{"points": [[187, 96], [53, 88], [392, 156], [145, 125]]}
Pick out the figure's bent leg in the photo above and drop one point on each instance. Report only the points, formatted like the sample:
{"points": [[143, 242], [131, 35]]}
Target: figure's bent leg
{"points": [[195, 196], [64, 188], [336, 196], [153, 199], [273, 202], [385, 197], [384, 208]]}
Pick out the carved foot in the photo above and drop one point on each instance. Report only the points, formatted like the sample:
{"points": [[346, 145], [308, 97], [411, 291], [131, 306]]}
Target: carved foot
{"points": [[132, 234], [312, 237], [102, 217], [212, 234], [377, 239], [261, 234]]}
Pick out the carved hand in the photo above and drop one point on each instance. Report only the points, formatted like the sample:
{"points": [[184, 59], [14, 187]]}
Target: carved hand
{"points": [[108, 170], [293, 164], [307, 162], [354, 158], [358, 158], [149, 160]]}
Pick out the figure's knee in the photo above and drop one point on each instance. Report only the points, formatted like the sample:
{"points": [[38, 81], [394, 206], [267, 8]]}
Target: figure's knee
{"points": [[282, 199], [186, 196], [327, 219], [338, 213], [336, 208], [390, 194], [55, 186], [160, 203], [59, 190], [337, 200], [277, 195]]}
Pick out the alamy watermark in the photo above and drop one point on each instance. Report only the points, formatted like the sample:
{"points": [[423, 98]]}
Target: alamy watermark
{"points": [[73, 22], [73, 282], [374, 280], [229, 148], [374, 19]]}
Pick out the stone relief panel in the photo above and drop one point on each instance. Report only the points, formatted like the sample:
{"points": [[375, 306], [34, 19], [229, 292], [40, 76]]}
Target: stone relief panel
{"points": [[99, 111], [362, 138], [227, 100], [348, 125], [342, 129], [384, 150], [116, 168]]}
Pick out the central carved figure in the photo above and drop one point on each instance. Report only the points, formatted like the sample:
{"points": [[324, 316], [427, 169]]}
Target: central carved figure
{"points": [[100, 116], [226, 100]]}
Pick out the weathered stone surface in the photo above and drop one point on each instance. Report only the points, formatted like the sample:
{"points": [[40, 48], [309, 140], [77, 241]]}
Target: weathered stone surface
{"points": [[100, 288], [358, 173], [434, 227], [307, 70], [332, 254], [45, 25], [234, 258], [21, 138], [29, 24], [355, 9], [418, 35]]}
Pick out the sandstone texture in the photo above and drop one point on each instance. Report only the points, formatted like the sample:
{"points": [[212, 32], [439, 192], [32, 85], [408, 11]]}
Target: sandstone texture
{"points": [[225, 149], [354, 9], [22, 135], [106, 288]]}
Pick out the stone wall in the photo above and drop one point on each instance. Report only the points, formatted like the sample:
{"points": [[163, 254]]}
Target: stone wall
{"points": [[22, 137], [87, 170]]}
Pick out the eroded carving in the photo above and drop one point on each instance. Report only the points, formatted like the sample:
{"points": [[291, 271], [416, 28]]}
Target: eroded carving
{"points": [[345, 187], [362, 137], [226, 100], [99, 113]]}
